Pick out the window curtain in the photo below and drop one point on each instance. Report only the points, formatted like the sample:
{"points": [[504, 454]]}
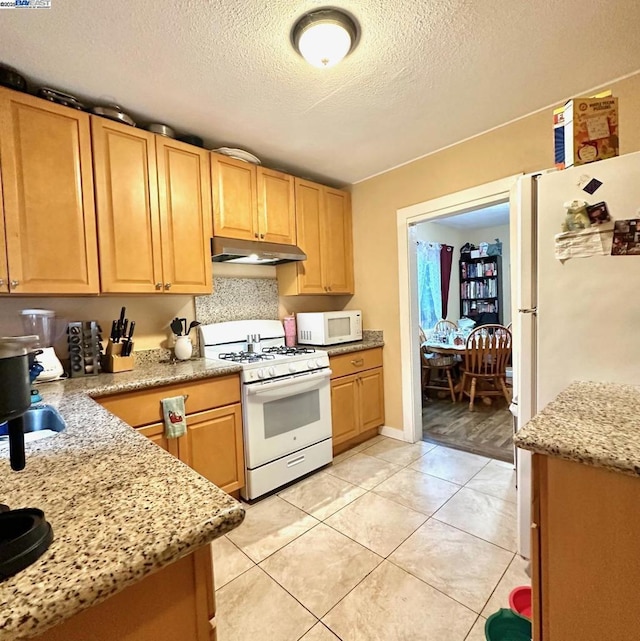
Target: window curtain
{"points": [[429, 284], [446, 259]]}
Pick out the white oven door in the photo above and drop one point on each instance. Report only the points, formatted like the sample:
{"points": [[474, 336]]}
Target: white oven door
{"points": [[285, 415]]}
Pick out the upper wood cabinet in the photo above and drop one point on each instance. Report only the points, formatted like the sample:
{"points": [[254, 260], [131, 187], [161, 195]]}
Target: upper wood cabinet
{"points": [[4, 268], [154, 211], [49, 214], [124, 160], [234, 198], [251, 202], [323, 222], [184, 188], [276, 206]]}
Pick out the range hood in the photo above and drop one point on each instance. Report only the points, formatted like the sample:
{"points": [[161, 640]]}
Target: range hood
{"points": [[253, 252]]}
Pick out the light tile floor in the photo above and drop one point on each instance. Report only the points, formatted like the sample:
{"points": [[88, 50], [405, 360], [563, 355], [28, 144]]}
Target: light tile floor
{"points": [[392, 542]]}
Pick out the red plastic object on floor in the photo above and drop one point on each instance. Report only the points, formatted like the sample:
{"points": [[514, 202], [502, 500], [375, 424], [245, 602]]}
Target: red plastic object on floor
{"points": [[520, 600]]}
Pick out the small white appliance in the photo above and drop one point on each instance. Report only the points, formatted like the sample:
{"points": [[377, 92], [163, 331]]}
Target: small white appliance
{"points": [[329, 328], [42, 322], [577, 318], [286, 401]]}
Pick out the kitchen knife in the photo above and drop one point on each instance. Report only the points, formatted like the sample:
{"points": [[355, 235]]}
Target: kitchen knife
{"points": [[125, 325], [183, 322], [126, 350], [114, 331]]}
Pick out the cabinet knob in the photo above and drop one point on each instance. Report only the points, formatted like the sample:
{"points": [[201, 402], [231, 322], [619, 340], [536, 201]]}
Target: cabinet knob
{"points": [[329, 288], [1, 282], [358, 362], [256, 234], [261, 235], [158, 285], [14, 283], [167, 285]]}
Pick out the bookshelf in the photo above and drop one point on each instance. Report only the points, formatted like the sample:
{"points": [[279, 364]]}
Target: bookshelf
{"points": [[481, 286]]}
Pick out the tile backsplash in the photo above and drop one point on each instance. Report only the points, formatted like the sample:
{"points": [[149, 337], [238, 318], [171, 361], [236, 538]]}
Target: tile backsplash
{"points": [[239, 299]]}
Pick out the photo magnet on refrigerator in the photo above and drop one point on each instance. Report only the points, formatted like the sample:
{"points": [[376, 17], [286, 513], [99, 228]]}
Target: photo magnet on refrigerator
{"points": [[592, 186]]}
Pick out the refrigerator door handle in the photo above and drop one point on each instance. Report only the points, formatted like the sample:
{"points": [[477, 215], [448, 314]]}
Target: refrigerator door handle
{"points": [[530, 310]]}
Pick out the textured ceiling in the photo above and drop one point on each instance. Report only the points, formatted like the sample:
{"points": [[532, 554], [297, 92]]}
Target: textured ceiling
{"points": [[425, 74], [478, 219]]}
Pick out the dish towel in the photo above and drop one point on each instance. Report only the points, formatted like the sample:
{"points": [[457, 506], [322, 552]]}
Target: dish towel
{"points": [[173, 411]]}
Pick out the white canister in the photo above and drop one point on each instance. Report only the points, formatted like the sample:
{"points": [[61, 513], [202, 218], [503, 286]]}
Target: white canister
{"points": [[183, 348]]}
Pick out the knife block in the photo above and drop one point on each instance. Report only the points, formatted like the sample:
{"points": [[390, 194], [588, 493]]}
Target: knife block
{"points": [[114, 362]]}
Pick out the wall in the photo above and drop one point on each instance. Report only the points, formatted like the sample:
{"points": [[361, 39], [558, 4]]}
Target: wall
{"points": [[522, 146], [243, 291], [488, 235], [435, 233]]}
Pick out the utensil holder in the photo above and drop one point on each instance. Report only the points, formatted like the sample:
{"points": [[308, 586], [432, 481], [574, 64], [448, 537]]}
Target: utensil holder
{"points": [[183, 348], [114, 362]]}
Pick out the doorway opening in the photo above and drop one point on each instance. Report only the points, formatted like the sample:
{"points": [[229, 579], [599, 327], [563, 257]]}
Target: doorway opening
{"points": [[478, 198], [463, 280]]}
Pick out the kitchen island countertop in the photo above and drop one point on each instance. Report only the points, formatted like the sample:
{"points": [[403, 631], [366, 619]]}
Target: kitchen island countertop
{"points": [[120, 506], [596, 424]]}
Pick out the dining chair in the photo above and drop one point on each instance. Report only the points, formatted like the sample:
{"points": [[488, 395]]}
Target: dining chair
{"points": [[488, 349], [444, 325], [436, 369]]}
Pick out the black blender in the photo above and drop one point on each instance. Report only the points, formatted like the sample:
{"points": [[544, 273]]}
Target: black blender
{"points": [[24, 533]]}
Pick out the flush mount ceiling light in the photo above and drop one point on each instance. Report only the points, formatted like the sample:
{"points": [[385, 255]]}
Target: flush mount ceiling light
{"points": [[324, 37]]}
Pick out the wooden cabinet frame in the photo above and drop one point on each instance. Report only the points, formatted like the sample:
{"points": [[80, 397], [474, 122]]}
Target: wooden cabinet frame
{"points": [[47, 187], [357, 396], [324, 233]]}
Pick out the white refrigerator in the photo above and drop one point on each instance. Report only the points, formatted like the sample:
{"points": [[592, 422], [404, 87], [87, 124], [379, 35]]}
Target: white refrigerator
{"points": [[577, 319]]}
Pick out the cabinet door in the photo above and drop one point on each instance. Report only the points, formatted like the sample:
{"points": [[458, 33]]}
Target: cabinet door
{"points": [[276, 206], [309, 208], [371, 392], [184, 188], [155, 433], [213, 446], [4, 269], [235, 213], [337, 244], [48, 197], [124, 164], [345, 416]]}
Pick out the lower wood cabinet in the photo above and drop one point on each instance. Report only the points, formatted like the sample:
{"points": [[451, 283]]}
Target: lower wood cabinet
{"points": [[177, 602], [213, 444], [357, 396], [585, 562]]}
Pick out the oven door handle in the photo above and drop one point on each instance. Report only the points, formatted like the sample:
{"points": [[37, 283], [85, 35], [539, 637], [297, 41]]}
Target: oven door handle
{"points": [[301, 383]]}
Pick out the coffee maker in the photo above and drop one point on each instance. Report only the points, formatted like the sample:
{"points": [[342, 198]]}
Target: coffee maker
{"points": [[24, 533]]}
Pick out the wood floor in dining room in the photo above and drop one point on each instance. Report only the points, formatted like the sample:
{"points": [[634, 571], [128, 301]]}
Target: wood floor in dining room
{"points": [[488, 430]]}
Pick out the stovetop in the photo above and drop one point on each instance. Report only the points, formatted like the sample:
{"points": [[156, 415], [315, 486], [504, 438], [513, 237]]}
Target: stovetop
{"points": [[229, 343], [267, 354]]}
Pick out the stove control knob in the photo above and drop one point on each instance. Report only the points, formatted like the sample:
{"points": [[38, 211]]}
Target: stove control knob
{"points": [[260, 373], [292, 367], [272, 371]]}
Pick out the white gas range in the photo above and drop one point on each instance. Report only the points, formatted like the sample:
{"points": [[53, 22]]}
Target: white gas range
{"points": [[286, 401]]}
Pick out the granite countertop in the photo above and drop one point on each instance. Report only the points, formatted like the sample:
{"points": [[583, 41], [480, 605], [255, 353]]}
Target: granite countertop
{"points": [[120, 506], [370, 340], [592, 423], [146, 375]]}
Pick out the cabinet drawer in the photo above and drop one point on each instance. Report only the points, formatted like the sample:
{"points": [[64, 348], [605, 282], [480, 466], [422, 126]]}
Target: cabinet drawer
{"points": [[143, 407], [355, 362]]}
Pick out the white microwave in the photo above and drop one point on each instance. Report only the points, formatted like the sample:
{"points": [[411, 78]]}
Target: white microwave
{"points": [[329, 328]]}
